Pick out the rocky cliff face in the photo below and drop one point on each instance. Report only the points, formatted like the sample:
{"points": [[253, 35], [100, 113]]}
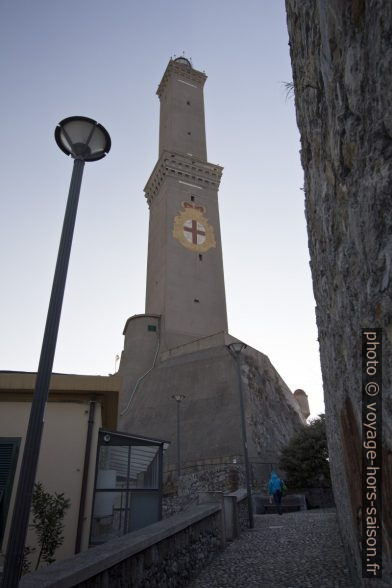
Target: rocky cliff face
{"points": [[341, 55]]}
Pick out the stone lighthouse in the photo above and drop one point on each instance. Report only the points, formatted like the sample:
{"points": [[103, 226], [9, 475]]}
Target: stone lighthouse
{"points": [[185, 284], [179, 346]]}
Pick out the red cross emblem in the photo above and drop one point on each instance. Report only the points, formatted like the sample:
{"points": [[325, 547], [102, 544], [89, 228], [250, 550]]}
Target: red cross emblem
{"points": [[194, 232]]}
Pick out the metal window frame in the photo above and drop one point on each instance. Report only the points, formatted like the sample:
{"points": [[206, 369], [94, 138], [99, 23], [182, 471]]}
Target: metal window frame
{"points": [[122, 439]]}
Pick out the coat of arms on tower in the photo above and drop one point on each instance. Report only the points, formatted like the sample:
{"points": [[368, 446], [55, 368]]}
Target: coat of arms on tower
{"points": [[192, 230]]}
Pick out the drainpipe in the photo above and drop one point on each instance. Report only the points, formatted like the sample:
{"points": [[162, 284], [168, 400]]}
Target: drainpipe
{"points": [[83, 492]]}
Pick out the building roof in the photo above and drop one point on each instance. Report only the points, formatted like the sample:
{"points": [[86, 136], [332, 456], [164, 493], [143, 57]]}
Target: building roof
{"points": [[19, 387]]}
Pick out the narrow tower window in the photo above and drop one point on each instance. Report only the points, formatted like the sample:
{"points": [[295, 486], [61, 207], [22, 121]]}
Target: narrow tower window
{"points": [[200, 257], [188, 103], [192, 198]]}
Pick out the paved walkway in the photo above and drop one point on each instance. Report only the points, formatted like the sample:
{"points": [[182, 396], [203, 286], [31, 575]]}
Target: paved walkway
{"points": [[295, 550]]}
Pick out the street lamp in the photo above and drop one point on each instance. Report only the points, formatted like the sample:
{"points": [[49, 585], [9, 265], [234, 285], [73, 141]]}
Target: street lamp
{"points": [[235, 350], [178, 398], [85, 140]]}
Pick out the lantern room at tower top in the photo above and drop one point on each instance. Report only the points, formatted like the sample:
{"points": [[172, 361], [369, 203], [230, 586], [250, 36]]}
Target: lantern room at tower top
{"points": [[182, 123]]}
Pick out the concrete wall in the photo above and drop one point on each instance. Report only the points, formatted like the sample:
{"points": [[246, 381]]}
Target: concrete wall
{"points": [[60, 466], [342, 71]]}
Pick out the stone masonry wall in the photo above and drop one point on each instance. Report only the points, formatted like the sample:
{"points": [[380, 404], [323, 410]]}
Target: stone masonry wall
{"points": [[167, 554], [341, 55], [182, 494], [168, 564], [272, 413], [243, 515]]}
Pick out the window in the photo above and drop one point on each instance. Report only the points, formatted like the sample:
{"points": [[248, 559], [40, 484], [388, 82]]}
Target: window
{"points": [[127, 494], [152, 328], [192, 198], [200, 257], [9, 449]]}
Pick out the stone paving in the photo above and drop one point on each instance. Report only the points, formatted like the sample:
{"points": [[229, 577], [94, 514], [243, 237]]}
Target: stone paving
{"points": [[294, 550]]}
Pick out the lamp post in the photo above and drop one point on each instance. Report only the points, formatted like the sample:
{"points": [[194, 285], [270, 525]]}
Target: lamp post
{"points": [[178, 398], [85, 140], [235, 350]]}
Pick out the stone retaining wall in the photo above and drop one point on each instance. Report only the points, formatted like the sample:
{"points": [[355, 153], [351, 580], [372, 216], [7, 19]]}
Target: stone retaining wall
{"points": [[319, 497], [243, 514], [167, 554], [206, 476]]}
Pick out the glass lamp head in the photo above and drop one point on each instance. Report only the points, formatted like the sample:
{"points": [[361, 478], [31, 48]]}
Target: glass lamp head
{"points": [[237, 346], [82, 138], [178, 397], [183, 61]]}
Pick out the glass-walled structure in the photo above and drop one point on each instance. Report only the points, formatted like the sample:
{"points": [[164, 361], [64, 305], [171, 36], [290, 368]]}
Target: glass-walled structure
{"points": [[128, 485]]}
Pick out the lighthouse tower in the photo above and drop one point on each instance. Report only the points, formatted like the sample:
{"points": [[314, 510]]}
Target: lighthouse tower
{"points": [[185, 284], [177, 351]]}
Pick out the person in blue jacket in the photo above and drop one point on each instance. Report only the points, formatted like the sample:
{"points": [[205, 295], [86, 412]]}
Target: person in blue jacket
{"points": [[275, 486]]}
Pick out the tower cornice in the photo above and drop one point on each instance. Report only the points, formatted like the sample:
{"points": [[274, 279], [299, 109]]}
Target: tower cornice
{"points": [[187, 169], [185, 71]]}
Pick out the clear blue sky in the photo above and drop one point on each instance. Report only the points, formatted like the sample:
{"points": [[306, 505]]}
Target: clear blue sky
{"points": [[105, 60]]}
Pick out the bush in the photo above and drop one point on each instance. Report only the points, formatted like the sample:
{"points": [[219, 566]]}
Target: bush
{"points": [[48, 515], [305, 459]]}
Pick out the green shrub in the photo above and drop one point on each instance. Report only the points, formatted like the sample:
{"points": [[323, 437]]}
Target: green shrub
{"points": [[305, 459], [48, 515]]}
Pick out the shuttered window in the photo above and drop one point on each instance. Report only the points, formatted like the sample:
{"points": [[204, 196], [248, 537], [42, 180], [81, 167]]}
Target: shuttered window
{"points": [[9, 448]]}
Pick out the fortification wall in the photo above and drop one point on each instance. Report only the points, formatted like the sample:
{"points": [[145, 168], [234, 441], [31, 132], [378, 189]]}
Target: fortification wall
{"points": [[341, 57], [209, 414]]}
